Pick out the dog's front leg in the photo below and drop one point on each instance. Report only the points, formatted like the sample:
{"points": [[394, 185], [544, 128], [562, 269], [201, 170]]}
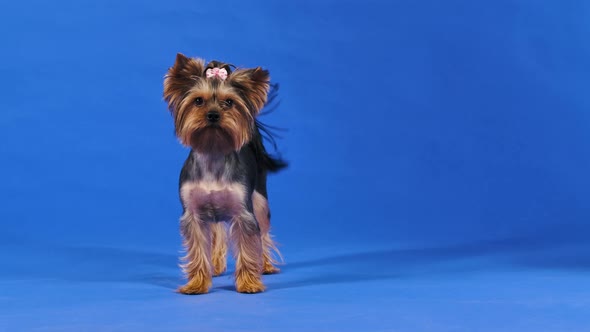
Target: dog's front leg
{"points": [[247, 243], [197, 261]]}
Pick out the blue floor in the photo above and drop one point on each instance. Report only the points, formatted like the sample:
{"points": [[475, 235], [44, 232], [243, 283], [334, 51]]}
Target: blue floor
{"points": [[439, 165], [486, 287]]}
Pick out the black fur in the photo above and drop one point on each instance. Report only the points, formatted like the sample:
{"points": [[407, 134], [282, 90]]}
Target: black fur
{"points": [[253, 157], [272, 164], [249, 166]]}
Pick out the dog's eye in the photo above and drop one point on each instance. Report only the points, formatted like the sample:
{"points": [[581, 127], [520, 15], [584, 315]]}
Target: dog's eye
{"points": [[229, 102], [199, 101]]}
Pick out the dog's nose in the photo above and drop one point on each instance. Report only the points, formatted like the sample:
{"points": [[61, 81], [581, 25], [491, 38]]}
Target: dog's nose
{"points": [[213, 116]]}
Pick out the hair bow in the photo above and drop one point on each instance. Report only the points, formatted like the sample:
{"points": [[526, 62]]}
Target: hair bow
{"points": [[221, 73]]}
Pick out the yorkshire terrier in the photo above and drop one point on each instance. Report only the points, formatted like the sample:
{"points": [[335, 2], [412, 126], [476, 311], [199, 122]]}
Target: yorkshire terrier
{"points": [[223, 180]]}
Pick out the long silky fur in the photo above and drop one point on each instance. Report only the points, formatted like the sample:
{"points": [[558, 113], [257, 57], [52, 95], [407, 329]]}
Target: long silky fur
{"points": [[268, 162]]}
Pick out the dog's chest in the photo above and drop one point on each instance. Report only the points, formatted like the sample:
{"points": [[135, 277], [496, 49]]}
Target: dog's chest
{"points": [[213, 200]]}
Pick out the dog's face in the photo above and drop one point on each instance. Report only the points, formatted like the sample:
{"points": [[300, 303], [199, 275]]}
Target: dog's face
{"points": [[214, 109]]}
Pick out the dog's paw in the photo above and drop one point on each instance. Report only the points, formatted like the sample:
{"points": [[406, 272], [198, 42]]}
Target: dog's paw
{"points": [[270, 269], [195, 286], [249, 283], [250, 288], [219, 267]]}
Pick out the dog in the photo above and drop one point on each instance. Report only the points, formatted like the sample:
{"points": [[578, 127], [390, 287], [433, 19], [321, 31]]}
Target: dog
{"points": [[223, 180]]}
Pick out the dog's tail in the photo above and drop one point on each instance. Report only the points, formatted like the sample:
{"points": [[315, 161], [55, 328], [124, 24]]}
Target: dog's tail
{"points": [[272, 164]]}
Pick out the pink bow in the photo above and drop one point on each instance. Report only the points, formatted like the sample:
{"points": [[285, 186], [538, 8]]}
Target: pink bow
{"points": [[221, 73]]}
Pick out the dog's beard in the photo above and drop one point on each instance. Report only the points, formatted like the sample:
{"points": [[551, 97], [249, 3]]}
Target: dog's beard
{"points": [[212, 140]]}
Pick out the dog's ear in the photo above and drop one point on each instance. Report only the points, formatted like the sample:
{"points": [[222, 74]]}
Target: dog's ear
{"points": [[180, 78], [253, 84], [187, 66]]}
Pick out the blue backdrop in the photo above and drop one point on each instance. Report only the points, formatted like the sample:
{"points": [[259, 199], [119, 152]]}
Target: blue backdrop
{"points": [[439, 164]]}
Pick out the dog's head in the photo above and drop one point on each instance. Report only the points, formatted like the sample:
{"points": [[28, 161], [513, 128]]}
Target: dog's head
{"points": [[214, 109]]}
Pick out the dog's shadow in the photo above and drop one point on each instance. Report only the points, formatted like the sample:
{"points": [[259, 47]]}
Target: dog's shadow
{"points": [[533, 252], [102, 264]]}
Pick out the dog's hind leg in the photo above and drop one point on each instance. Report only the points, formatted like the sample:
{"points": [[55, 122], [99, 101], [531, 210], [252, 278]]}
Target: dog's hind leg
{"points": [[219, 248], [262, 213]]}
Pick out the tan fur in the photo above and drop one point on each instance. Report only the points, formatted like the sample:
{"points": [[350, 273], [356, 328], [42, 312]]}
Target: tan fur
{"points": [[180, 78], [261, 211], [269, 262], [190, 96], [197, 266], [248, 282], [184, 82], [219, 248], [213, 186], [248, 252], [268, 246], [255, 81], [235, 120]]}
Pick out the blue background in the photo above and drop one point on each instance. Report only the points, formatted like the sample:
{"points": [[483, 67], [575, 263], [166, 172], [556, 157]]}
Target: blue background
{"points": [[439, 164]]}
